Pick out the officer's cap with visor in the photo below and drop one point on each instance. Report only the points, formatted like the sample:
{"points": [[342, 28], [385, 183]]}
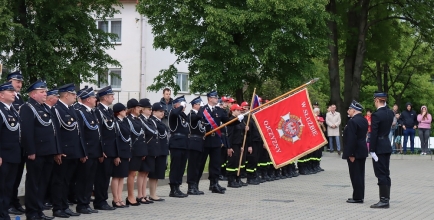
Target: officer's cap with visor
{"points": [[70, 88], [15, 75], [105, 91], [196, 100], [54, 92], [86, 93], [6, 87], [380, 95], [356, 106], [212, 94], [179, 99], [38, 85]]}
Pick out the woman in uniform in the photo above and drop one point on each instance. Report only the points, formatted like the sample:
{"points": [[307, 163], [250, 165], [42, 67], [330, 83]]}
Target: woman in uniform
{"points": [[151, 138], [139, 149], [162, 152], [123, 142]]}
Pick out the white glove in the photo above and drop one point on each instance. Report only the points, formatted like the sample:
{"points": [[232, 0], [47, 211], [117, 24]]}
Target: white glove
{"points": [[240, 118], [202, 104], [374, 156], [183, 104]]}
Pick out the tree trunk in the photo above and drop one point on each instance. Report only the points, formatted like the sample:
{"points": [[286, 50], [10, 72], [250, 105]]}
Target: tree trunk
{"points": [[385, 78], [379, 75], [333, 62], [239, 95]]}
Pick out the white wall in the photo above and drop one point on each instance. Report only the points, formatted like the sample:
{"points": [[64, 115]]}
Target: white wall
{"points": [[138, 58]]}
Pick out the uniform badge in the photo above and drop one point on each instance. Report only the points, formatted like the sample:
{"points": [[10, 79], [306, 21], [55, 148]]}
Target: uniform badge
{"points": [[13, 119], [216, 115], [12, 124], [69, 122], [72, 119], [91, 122], [45, 115]]}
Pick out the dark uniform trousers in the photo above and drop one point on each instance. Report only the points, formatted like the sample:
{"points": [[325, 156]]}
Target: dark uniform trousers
{"points": [[8, 172], [178, 161], [357, 176], [104, 171], [381, 169], [15, 202], [60, 183], [37, 180], [83, 189], [194, 161], [253, 158], [214, 164], [234, 160]]}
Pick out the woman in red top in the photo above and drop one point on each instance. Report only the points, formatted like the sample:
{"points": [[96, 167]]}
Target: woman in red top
{"points": [[368, 117]]}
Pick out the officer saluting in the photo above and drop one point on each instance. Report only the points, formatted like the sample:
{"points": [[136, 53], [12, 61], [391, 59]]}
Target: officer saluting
{"points": [[178, 145], [89, 127], [10, 150], [355, 151], [73, 151], [195, 146], [108, 139], [38, 136], [379, 147], [16, 79]]}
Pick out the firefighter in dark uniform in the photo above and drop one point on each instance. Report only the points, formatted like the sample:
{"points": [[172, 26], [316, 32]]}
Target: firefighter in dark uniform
{"points": [[253, 157], [213, 143], [16, 78], [195, 146], [89, 127], [39, 139], [10, 149], [225, 140], [236, 136], [355, 151], [70, 140], [178, 145], [104, 171], [379, 147]]}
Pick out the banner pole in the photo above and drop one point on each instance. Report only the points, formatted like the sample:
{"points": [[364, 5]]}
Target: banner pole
{"points": [[245, 134], [263, 105]]}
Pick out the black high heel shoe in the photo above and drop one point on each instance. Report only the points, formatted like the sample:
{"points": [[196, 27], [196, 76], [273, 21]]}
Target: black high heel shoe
{"points": [[142, 200], [130, 203], [115, 204]]}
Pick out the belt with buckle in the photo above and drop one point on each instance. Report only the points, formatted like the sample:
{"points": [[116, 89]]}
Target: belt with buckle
{"points": [[179, 134], [196, 136]]}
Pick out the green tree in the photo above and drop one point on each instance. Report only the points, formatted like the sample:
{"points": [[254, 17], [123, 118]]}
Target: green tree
{"points": [[230, 44], [57, 40]]}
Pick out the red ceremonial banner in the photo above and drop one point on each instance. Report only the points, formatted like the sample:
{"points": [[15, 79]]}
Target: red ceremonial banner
{"points": [[289, 128]]}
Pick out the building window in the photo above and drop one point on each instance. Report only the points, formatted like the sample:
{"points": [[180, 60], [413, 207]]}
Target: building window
{"points": [[112, 77], [112, 26], [182, 82]]}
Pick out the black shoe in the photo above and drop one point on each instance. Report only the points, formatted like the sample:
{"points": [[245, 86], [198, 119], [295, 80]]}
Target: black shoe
{"points": [[71, 213], [216, 189], [157, 200], [382, 204], [196, 186], [191, 190], [60, 214], [175, 192], [115, 205], [15, 211], [104, 207], [34, 218], [221, 187], [223, 178], [83, 211], [239, 181], [252, 181], [48, 204], [354, 200], [43, 216], [142, 200], [233, 183], [92, 210], [130, 203]]}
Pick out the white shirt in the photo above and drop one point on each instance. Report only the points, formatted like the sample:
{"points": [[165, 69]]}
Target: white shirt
{"points": [[195, 111], [87, 107], [105, 106], [64, 103], [211, 107], [8, 106], [145, 116]]}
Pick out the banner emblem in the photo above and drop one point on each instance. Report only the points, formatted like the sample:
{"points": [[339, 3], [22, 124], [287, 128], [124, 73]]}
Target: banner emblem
{"points": [[290, 127]]}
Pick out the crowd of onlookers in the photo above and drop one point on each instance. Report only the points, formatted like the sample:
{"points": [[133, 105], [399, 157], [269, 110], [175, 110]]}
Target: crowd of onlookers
{"points": [[403, 129]]}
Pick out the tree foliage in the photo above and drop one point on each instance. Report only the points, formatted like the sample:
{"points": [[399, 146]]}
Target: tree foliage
{"points": [[56, 40], [229, 44]]}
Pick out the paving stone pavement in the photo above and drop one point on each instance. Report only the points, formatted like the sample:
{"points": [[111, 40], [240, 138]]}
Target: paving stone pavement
{"points": [[319, 196]]}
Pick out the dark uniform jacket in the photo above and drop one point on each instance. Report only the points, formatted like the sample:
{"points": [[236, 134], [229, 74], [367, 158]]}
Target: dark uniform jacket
{"points": [[381, 122], [197, 131], [138, 143], [123, 138], [89, 127], [36, 137], [151, 136], [18, 102], [236, 133], [67, 122], [220, 116], [355, 138], [254, 135], [10, 149], [108, 135], [162, 134], [178, 125]]}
